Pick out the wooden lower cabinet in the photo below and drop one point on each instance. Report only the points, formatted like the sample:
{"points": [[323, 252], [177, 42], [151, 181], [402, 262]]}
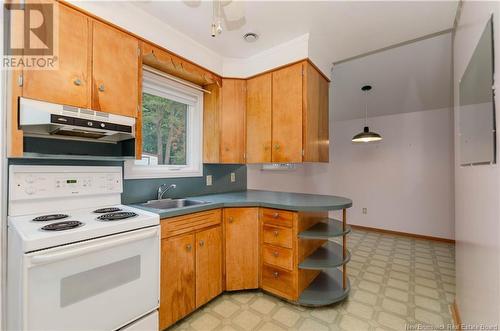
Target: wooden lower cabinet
{"points": [[191, 264], [204, 253], [241, 248], [177, 280], [208, 265]]}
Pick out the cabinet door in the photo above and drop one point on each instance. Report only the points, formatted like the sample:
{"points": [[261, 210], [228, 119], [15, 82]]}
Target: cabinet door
{"points": [[115, 71], [177, 280], [208, 265], [232, 149], [242, 248], [287, 114], [259, 119], [316, 136], [69, 84]]}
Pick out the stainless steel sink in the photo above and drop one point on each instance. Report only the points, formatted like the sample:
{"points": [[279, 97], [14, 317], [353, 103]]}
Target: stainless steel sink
{"points": [[172, 203]]}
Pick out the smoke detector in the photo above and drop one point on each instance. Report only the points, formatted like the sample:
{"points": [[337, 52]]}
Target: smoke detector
{"points": [[250, 37]]}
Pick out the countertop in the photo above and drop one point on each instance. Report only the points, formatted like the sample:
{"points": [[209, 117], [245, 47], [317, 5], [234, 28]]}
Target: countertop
{"points": [[257, 198]]}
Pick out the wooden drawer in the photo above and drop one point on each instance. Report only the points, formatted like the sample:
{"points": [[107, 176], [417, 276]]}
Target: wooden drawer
{"points": [[276, 235], [278, 281], [277, 256], [175, 226], [277, 217]]}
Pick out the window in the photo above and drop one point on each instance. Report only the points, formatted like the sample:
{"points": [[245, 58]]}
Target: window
{"points": [[171, 130]]}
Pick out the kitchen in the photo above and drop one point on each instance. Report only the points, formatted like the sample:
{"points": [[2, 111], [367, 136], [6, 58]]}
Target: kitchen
{"points": [[217, 172]]}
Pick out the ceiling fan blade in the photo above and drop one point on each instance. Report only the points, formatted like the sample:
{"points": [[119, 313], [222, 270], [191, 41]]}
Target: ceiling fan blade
{"points": [[192, 3], [233, 10]]}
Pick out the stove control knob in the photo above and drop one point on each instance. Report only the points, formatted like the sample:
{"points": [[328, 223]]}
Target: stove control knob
{"points": [[30, 190], [29, 179]]}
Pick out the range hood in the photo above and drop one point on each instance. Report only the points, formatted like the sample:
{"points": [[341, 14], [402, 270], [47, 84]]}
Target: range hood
{"points": [[49, 120]]}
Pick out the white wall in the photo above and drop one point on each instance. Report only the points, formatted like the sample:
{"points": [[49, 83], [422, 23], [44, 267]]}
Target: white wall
{"points": [[477, 191], [405, 181]]}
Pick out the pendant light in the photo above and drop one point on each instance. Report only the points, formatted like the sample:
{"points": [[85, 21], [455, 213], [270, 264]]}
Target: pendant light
{"points": [[366, 136]]}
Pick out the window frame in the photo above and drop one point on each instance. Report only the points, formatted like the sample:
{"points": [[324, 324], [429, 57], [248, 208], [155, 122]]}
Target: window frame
{"points": [[164, 87]]}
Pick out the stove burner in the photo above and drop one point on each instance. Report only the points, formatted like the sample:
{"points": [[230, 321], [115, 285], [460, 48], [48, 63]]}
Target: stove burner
{"points": [[61, 226], [52, 217], [106, 210], [116, 216]]}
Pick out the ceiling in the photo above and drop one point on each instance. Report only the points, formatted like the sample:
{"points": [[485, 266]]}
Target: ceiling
{"points": [[409, 78], [347, 28]]}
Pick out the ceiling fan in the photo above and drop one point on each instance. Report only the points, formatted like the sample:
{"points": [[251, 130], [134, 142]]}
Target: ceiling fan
{"points": [[232, 12]]}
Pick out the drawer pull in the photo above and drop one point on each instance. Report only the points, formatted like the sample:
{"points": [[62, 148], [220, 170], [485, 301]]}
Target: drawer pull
{"points": [[276, 215], [202, 243], [276, 233], [101, 87], [231, 219], [276, 274], [77, 82], [276, 254], [188, 247]]}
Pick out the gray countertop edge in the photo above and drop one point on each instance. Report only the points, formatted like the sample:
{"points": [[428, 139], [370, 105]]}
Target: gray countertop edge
{"points": [[231, 200]]}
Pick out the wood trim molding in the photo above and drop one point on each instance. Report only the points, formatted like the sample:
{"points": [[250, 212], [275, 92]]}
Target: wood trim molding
{"points": [[455, 314], [404, 234]]}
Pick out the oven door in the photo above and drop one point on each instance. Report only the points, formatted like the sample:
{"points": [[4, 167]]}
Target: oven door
{"points": [[100, 284]]}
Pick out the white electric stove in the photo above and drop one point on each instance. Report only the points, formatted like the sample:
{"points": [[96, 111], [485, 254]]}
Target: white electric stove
{"points": [[77, 258]]}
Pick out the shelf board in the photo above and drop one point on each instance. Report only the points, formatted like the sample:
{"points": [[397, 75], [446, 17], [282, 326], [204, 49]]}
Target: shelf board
{"points": [[328, 228], [325, 289], [327, 256]]}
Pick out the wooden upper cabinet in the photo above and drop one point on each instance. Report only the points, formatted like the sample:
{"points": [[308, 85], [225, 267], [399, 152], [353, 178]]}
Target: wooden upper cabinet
{"points": [[115, 71], [177, 281], [316, 137], [259, 119], [287, 114], [211, 123], [69, 84], [242, 248], [232, 131], [208, 265]]}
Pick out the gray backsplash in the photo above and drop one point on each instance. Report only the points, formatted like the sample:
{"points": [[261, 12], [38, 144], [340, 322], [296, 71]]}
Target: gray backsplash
{"points": [[139, 190]]}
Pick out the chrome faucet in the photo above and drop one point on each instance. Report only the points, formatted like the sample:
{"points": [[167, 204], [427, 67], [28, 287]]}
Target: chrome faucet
{"points": [[163, 189]]}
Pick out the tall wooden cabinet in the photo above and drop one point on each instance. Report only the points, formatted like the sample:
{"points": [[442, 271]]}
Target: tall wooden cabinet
{"points": [[287, 116], [232, 132], [259, 119], [98, 67], [241, 248], [70, 83], [115, 70]]}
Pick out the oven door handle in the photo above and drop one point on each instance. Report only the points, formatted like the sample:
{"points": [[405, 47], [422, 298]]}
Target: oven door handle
{"points": [[49, 258]]}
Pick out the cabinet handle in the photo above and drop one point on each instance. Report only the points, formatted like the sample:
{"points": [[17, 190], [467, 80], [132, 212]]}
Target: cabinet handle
{"points": [[276, 233], [276, 274], [101, 87], [231, 219], [276, 254], [77, 82], [277, 146], [202, 243], [188, 247], [276, 215]]}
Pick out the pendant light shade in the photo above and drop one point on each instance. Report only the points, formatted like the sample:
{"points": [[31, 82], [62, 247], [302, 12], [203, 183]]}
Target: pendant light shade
{"points": [[366, 136]]}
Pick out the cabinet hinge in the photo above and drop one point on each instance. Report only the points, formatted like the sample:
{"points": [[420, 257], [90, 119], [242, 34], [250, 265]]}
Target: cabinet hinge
{"points": [[303, 152], [138, 51], [20, 80], [302, 71]]}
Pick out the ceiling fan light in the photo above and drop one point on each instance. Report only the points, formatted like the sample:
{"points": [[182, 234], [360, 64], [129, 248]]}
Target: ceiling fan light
{"points": [[366, 136]]}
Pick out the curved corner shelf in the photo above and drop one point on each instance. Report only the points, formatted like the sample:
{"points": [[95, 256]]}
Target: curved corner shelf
{"points": [[328, 228], [327, 256], [325, 289]]}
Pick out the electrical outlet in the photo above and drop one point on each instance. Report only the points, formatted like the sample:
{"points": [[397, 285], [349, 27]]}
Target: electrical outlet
{"points": [[209, 180], [365, 210], [233, 177]]}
